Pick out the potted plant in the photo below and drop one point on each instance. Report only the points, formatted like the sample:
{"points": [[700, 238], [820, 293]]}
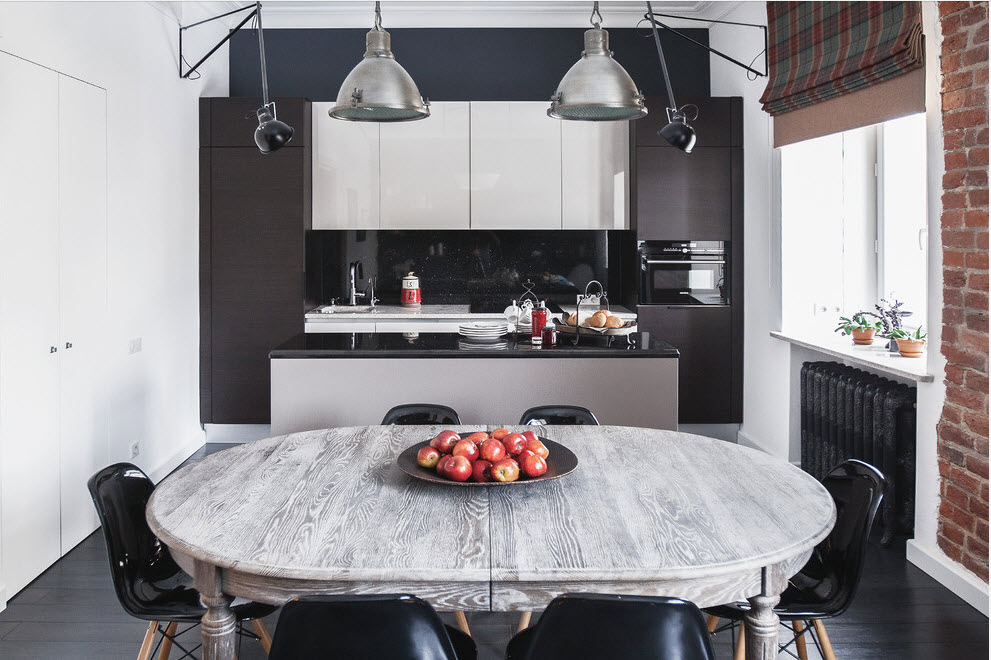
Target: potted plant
{"points": [[858, 326], [910, 344], [889, 314]]}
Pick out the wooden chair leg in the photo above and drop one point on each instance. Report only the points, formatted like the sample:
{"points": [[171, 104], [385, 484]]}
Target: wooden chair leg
{"points": [[827, 648], [166, 649], [741, 646], [149, 641], [524, 621], [263, 635], [799, 629], [711, 621], [462, 620]]}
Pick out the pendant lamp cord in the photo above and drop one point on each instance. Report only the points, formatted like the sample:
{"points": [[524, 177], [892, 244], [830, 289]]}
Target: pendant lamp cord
{"points": [[660, 55], [378, 15], [261, 54], [596, 18]]}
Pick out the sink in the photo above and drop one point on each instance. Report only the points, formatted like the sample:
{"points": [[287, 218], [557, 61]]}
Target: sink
{"points": [[346, 309]]}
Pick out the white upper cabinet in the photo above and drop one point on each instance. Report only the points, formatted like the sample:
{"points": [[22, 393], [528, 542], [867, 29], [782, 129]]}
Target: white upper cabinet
{"points": [[515, 166], [345, 172], [424, 170], [595, 177]]}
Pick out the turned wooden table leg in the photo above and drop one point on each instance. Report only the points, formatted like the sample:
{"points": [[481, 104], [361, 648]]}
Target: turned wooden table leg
{"points": [[762, 628], [218, 625]]}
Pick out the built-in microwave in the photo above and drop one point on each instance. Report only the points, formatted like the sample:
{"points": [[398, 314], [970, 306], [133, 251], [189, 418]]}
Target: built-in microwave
{"points": [[686, 273]]}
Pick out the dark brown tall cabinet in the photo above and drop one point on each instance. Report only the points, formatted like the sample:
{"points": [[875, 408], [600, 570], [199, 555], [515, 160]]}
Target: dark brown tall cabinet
{"points": [[254, 211], [697, 196]]}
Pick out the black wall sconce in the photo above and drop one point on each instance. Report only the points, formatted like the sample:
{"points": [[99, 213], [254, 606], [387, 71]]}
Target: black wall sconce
{"points": [[271, 134]]}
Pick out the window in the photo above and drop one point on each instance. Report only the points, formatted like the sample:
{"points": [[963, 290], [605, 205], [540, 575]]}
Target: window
{"points": [[853, 222]]}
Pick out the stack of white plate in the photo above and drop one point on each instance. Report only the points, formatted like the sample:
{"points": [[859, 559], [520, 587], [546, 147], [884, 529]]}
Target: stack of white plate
{"points": [[484, 331], [472, 345]]}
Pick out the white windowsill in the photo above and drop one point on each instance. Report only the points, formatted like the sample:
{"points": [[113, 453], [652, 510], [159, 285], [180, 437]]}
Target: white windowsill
{"points": [[874, 357]]}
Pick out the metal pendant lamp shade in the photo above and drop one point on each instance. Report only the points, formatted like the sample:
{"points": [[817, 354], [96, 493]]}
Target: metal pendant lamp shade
{"points": [[678, 133], [271, 134], [597, 87], [379, 89]]}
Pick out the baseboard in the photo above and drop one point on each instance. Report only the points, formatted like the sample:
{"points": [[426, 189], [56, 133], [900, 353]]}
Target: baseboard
{"points": [[236, 434], [727, 432], [176, 459], [950, 574]]}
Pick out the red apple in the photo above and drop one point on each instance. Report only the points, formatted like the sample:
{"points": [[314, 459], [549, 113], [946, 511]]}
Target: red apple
{"points": [[537, 447], [466, 448], [533, 465], [499, 434], [505, 469], [481, 471], [444, 441], [427, 457], [530, 435], [523, 454], [515, 443], [493, 450], [458, 468], [478, 437], [442, 465]]}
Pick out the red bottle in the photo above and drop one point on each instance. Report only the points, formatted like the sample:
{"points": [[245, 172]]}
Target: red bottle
{"points": [[539, 320]]}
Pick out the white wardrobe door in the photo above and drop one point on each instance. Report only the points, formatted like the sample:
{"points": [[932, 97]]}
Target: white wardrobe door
{"points": [[424, 168], [515, 166], [29, 372], [84, 435], [345, 172], [595, 174]]}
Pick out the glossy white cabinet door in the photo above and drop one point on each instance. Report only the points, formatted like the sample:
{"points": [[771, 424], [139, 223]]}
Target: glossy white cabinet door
{"points": [[345, 172], [84, 416], [515, 166], [595, 176], [424, 166], [29, 303]]}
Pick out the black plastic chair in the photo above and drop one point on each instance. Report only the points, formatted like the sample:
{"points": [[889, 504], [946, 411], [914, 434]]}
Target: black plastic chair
{"points": [[600, 626], [422, 414], [826, 585], [390, 627], [148, 582], [559, 415]]}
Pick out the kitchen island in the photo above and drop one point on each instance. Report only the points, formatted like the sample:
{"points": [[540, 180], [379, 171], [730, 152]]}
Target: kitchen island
{"points": [[328, 380]]}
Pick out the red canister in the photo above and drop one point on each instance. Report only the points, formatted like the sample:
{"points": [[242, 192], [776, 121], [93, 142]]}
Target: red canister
{"points": [[410, 296]]}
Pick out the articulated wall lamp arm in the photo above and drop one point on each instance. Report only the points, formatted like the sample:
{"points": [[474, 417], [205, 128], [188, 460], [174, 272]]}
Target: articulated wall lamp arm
{"points": [[182, 28], [651, 18]]}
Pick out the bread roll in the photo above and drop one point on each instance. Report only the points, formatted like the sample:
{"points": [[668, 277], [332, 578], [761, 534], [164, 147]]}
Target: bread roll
{"points": [[573, 319], [614, 322], [598, 319]]}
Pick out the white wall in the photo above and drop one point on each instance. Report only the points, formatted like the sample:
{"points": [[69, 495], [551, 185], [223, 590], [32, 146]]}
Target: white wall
{"points": [[130, 49], [765, 365]]}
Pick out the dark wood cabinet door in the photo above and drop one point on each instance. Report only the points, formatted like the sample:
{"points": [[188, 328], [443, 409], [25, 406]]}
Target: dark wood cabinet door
{"points": [[707, 369], [683, 196], [256, 284], [232, 121], [719, 123]]}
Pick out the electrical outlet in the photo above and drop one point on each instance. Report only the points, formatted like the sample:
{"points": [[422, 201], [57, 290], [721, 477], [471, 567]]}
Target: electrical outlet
{"points": [[134, 346], [135, 448]]}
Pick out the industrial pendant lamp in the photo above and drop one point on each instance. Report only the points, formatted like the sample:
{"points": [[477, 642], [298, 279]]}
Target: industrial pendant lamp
{"points": [[271, 134], [378, 88], [677, 131], [597, 87]]}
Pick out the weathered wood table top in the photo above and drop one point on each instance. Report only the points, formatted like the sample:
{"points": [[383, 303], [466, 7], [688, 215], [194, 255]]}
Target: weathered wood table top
{"points": [[646, 512]]}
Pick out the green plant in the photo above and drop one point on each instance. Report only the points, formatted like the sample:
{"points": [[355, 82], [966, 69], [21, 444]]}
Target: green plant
{"points": [[918, 335], [857, 322]]}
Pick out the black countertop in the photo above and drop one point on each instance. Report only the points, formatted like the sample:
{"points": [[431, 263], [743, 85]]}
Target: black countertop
{"points": [[449, 345]]}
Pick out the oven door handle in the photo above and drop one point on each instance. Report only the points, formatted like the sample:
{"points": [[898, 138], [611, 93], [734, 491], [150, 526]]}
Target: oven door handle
{"points": [[684, 263]]}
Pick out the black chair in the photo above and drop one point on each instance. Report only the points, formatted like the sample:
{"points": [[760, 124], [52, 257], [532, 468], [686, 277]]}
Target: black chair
{"points": [[390, 627], [422, 414], [559, 415], [148, 582], [599, 626], [826, 585]]}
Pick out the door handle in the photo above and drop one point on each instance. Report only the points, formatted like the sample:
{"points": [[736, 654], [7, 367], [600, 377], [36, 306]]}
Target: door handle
{"points": [[53, 349], [68, 344]]}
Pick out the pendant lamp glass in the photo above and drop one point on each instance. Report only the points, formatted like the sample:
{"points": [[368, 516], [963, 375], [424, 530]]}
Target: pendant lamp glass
{"points": [[597, 87], [378, 88]]}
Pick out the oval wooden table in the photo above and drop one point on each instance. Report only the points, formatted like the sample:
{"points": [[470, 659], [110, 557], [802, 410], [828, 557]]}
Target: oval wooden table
{"points": [[646, 512]]}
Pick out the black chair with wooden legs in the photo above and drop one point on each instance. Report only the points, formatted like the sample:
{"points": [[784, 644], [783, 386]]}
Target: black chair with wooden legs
{"points": [[390, 627], [604, 627], [826, 585], [148, 582], [559, 415], [421, 414]]}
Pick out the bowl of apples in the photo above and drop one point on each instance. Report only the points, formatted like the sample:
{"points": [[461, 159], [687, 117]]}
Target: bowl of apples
{"points": [[499, 458]]}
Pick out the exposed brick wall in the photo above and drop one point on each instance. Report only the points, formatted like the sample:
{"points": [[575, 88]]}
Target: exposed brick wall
{"points": [[963, 426]]}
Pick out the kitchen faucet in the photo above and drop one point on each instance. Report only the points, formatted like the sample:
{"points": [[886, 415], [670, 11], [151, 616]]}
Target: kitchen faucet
{"points": [[355, 273]]}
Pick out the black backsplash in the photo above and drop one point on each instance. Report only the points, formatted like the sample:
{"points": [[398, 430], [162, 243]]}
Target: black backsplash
{"points": [[473, 266]]}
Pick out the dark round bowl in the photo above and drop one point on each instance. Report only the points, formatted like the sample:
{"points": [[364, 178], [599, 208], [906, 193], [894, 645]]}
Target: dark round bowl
{"points": [[560, 461]]}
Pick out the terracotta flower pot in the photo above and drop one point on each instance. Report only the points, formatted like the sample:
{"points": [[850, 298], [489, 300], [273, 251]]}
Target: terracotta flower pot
{"points": [[911, 347], [863, 337]]}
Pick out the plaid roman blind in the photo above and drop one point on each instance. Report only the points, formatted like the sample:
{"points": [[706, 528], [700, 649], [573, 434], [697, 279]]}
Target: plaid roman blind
{"points": [[822, 50]]}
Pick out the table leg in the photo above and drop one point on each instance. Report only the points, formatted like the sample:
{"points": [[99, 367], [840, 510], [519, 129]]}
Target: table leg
{"points": [[218, 625], [762, 628]]}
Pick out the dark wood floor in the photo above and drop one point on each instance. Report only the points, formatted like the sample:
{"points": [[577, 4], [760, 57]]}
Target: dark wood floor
{"points": [[900, 613]]}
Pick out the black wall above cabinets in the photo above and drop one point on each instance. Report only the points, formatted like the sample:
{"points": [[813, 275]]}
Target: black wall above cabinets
{"points": [[463, 64]]}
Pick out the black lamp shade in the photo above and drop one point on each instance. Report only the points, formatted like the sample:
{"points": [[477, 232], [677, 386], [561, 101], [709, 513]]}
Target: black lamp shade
{"points": [[271, 134], [679, 134]]}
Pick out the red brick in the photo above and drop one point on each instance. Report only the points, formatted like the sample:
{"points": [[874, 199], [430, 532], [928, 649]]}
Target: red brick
{"points": [[976, 177], [974, 15], [957, 237], [955, 81], [976, 546], [976, 218], [978, 423], [972, 137], [949, 335], [977, 197], [951, 413], [978, 508], [976, 97], [956, 438], [960, 517], [953, 44], [953, 315], [954, 372], [952, 259], [964, 398], [965, 481], [951, 549], [977, 281], [981, 76], [977, 156], [975, 341], [955, 279], [946, 8], [952, 180], [954, 160], [950, 24], [978, 465], [948, 453], [978, 321], [953, 297], [956, 496], [980, 567], [944, 471], [954, 218], [953, 533], [975, 300], [984, 492], [965, 118], [981, 447], [981, 239], [953, 100], [977, 261], [981, 529], [964, 357], [975, 380], [980, 36], [956, 139]]}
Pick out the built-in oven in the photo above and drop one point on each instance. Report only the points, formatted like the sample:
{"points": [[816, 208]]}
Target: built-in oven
{"points": [[687, 273]]}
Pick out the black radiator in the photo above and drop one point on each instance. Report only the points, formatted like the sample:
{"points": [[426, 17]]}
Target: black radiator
{"points": [[849, 413]]}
